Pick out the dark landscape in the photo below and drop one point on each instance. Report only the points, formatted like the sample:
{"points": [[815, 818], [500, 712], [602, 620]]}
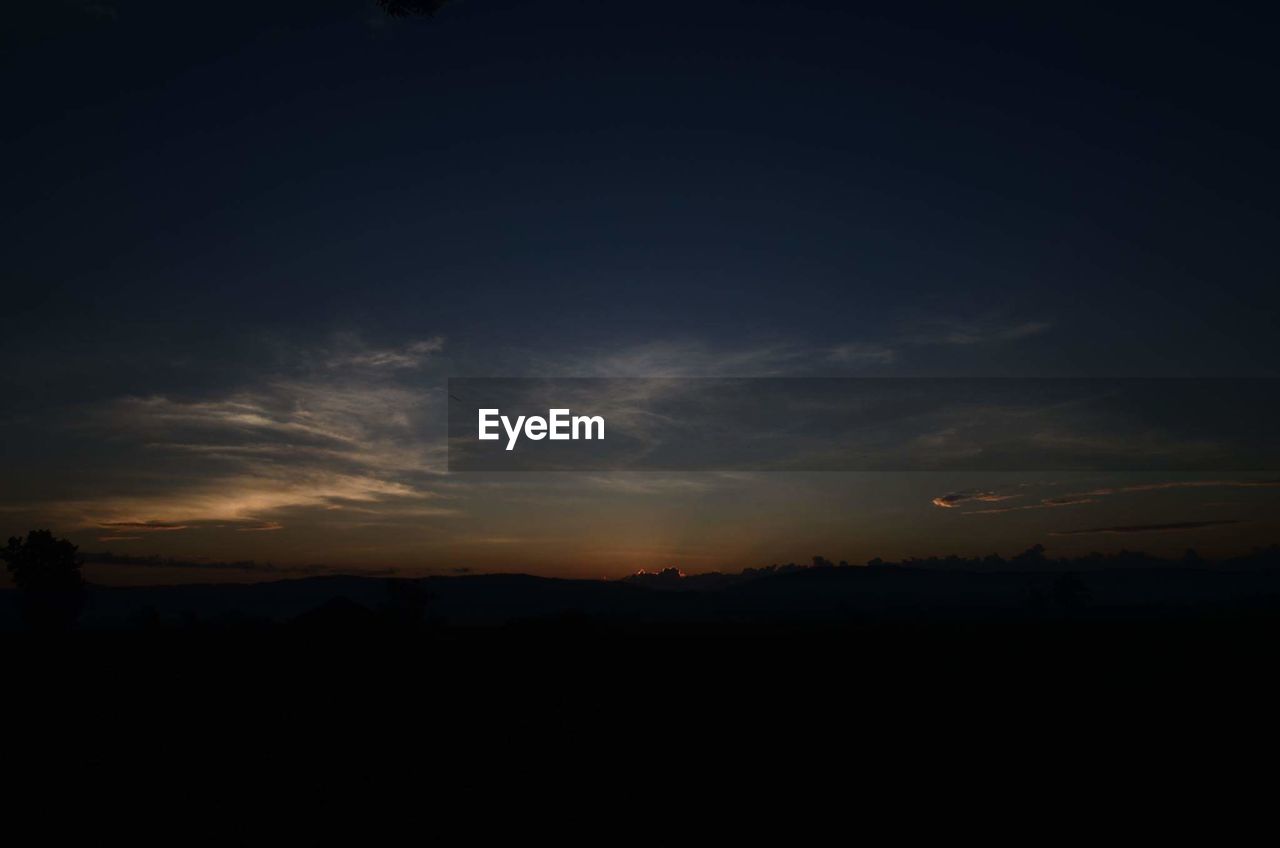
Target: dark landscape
{"points": [[1027, 588], [946, 658]]}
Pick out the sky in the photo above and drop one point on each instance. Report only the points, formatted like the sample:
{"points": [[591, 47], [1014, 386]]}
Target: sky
{"points": [[245, 247]]}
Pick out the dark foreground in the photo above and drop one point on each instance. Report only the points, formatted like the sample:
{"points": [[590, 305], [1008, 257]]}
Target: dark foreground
{"points": [[833, 663], [918, 704]]}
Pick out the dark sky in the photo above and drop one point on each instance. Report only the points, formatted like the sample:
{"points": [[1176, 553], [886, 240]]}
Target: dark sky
{"points": [[231, 208]]}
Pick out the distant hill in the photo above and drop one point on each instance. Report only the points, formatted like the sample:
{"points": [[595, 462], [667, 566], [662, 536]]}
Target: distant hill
{"points": [[1106, 588]]}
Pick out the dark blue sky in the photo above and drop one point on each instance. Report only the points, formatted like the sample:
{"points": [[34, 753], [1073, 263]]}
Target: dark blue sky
{"points": [[589, 171], [194, 193]]}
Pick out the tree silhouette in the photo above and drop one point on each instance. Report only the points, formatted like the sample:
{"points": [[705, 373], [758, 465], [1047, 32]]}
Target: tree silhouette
{"points": [[1031, 557], [47, 573]]}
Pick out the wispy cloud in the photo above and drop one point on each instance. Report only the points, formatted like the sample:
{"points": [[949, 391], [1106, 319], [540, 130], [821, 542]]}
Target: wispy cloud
{"points": [[773, 358], [1186, 484], [953, 500], [964, 498], [412, 355], [862, 353], [1043, 503], [336, 428], [933, 333], [972, 332], [142, 526], [1146, 528], [686, 359]]}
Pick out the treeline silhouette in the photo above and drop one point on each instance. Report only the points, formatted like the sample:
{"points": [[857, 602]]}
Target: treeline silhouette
{"points": [[921, 637], [52, 595], [46, 572], [1033, 559]]}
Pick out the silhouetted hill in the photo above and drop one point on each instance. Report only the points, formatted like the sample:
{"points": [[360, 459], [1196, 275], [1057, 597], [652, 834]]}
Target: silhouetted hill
{"points": [[921, 592], [825, 593], [492, 656]]}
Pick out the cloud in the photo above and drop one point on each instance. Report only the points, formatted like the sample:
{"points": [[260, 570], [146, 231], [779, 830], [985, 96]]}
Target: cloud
{"points": [[1187, 484], [972, 332], [363, 423], [1147, 528], [412, 355], [955, 499], [684, 359], [649, 483], [341, 427], [958, 499], [142, 526], [862, 353], [944, 332], [674, 358], [347, 434], [1066, 500], [1045, 503], [240, 502]]}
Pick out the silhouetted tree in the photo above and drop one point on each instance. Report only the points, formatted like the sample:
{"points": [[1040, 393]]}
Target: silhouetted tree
{"points": [[47, 573], [1192, 559], [1032, 556]]}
